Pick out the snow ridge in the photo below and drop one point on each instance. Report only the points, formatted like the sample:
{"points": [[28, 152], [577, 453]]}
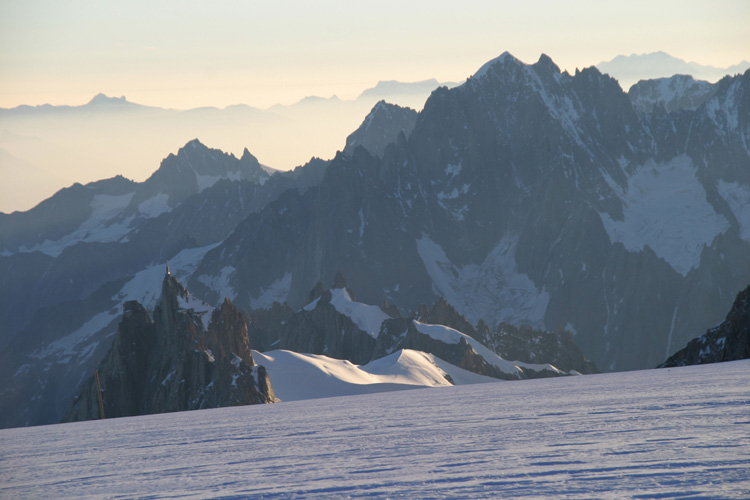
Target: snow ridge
{"points": [[367, 318]]}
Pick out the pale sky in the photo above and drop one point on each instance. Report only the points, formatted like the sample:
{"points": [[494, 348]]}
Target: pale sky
{"points": [[190, 53]]}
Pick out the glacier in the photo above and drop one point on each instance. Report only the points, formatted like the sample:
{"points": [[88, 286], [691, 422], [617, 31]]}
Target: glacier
{"points": [[680, 432]]}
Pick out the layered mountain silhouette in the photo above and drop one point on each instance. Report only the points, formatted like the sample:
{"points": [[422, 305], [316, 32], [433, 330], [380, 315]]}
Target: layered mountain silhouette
{"points": [[110, 135], [630, 69], [526, 197]]}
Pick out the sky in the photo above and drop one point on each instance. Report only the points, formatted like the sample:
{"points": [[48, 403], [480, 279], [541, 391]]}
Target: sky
{"points": [[189, 53]]}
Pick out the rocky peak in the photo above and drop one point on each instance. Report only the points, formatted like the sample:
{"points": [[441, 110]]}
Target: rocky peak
{"points": [[104, 102], [193, 169], [504, 60], [382, 126], [316, 292], [227, 334], [442, 313], [339, 282], [729, 341], [175, 362], [546, 66]]}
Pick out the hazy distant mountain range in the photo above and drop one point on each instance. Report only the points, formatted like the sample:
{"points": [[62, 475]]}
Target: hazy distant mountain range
{"points": [[628, 70], [525, 196], [44, 148]]}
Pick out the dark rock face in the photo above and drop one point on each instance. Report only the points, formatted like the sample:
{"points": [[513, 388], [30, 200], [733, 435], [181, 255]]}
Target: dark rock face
{"points": [[729, 341], [320, 329], [180, 360], [536, 346]]}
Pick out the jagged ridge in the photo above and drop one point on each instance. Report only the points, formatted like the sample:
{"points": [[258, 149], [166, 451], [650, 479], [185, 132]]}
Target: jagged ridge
{"points": [[190, 356]]}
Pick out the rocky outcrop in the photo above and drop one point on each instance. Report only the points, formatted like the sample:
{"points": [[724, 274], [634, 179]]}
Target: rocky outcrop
{"points": [[729, 341], [318, 328], [189, 356]]}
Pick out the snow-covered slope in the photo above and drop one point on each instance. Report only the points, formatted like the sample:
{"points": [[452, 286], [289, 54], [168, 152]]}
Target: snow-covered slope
{"points": [[670, 433], [296, 376]]}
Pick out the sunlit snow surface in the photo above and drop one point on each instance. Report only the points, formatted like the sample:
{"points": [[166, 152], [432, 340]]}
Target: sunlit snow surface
{"points": [[671, 433]]}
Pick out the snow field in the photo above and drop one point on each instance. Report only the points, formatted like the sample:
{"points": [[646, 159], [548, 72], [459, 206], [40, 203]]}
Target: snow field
{"points": [[680, 432]]}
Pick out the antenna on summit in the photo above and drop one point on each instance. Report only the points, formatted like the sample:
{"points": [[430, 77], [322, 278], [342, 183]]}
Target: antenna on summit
{"points": [[168, 268]]}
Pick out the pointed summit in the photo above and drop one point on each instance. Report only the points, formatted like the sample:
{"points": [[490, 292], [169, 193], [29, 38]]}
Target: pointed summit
{"points": [[546, 64], [504, 58], [381, 127]]}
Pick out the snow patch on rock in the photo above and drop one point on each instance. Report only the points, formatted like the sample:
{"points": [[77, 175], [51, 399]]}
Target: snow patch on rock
{"points": [[278, 291], [155, 206], [220, 283], [665, 207], [102, 226], [493, 290], [77, 343], [145, 286], [448, 335]]}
